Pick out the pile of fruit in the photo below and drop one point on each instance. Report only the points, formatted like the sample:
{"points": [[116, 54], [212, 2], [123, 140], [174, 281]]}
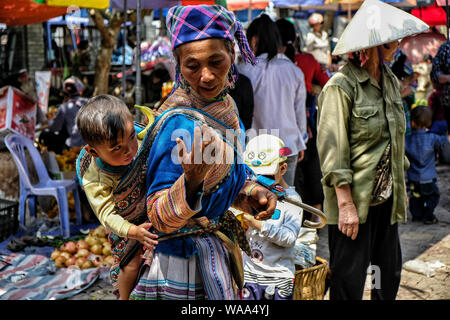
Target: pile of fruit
{"points": [[66, 160], [91, 252]]}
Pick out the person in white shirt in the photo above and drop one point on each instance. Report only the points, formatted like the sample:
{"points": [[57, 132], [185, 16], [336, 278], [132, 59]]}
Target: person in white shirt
{"points": [[279, 91], [317, 42], [270, 271]]}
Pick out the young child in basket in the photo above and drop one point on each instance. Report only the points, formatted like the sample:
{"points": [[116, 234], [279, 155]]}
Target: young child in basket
{"points": [[106, 125], [270, 271], [420, 149]]}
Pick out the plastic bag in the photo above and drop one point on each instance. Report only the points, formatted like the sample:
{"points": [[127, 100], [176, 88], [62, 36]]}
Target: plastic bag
{"points": [[422, 267], [305, 248]]}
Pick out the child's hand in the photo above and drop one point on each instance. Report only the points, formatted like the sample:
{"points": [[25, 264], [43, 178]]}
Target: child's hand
{"points": [[141, 234], [250, 221]]}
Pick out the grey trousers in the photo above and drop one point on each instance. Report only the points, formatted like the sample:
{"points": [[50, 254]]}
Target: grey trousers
{"points": [[289, 176]]}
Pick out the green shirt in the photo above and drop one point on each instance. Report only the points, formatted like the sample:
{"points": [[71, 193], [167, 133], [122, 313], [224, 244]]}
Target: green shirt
{"points": [[357, 117]]}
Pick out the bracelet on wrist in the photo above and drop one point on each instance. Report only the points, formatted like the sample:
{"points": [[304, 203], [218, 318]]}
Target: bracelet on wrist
{"points": [[249, 189]]}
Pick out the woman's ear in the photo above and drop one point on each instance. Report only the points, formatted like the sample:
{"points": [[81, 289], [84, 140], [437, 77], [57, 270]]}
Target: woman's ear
{"points": [[91, 151]]}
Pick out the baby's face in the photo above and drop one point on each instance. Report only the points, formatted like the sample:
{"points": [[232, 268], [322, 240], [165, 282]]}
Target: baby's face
{"points": [[123, 151]]}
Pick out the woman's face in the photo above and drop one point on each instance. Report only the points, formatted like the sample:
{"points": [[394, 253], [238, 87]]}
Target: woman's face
{"points": [[205, 65], [317, 27], [389, 50]]}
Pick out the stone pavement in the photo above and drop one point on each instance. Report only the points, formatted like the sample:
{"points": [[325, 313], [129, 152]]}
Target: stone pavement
{"points": [[418, 241]]}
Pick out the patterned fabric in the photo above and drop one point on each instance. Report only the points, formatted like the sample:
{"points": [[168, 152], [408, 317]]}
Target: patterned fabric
{"points": [[35, 277], [382, 189], [441, 65], [192, 23], [170, 278], [175, 278], [284, 286]]}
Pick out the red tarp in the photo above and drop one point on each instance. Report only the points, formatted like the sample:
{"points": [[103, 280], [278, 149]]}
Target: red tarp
{"points": [[22, 12], [432, 15]]}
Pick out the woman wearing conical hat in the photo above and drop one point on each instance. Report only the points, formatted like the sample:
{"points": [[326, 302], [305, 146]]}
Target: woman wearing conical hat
{"points": [[361, 134]]}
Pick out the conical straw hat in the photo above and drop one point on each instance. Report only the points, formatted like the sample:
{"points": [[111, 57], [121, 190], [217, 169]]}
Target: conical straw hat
{"points": [[376, 23]]}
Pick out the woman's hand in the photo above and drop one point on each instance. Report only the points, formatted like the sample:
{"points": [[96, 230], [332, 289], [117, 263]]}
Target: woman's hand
{"points": [[195, 164], [260, 199], [348, 220]]}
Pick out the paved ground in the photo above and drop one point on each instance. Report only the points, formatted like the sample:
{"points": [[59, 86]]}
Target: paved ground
{"points": [[424, 242]]}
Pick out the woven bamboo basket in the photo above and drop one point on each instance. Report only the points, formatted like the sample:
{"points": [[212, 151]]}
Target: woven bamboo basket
{"points": [[310, 282]]}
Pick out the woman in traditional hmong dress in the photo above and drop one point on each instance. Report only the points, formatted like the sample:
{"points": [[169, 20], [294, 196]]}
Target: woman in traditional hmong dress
{"points": [[194, 169]]}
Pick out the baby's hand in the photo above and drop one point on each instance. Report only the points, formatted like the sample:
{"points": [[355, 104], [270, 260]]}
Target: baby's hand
{"points": [[250, 221], [141, 234]]}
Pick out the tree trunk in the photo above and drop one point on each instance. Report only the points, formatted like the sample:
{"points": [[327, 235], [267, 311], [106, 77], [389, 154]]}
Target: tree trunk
{"points": [[109, 38], [102, 67]]}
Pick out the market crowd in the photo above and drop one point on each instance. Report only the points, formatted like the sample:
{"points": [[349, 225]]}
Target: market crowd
{"points": [[354, 131]]}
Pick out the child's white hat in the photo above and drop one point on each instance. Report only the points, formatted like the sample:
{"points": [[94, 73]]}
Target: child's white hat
{"points": [[264, 154]]}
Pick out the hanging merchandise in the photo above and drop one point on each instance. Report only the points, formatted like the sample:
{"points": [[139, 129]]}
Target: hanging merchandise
{"points": [[42, 80], [96, 4], [159, 52], [17, 112]]}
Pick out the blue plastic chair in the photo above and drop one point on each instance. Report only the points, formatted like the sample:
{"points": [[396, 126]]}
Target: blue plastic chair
{"points": [[45, 187]]}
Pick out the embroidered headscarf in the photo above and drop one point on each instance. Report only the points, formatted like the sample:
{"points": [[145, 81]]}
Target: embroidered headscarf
{"points": [[191, 23]]}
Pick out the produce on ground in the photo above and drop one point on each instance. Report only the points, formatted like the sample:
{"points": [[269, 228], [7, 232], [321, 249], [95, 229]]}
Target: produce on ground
{"points": [[92, 251]]}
